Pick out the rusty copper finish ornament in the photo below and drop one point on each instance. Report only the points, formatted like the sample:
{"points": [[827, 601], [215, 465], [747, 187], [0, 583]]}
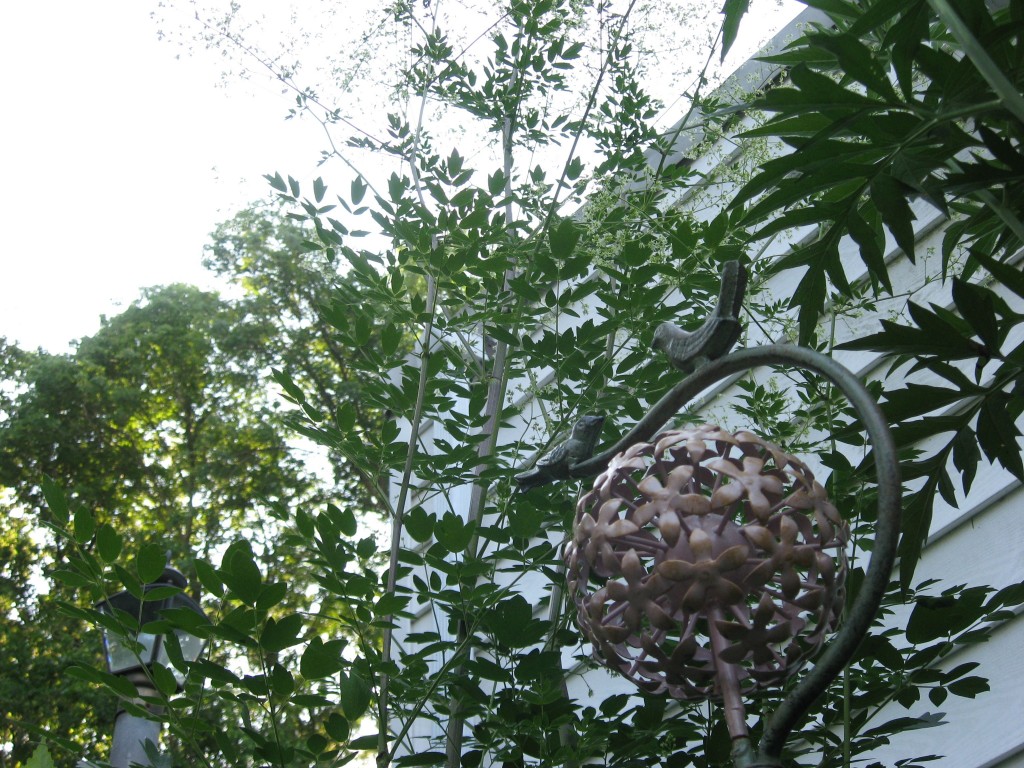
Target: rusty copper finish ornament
{"points": [[706, 563]]}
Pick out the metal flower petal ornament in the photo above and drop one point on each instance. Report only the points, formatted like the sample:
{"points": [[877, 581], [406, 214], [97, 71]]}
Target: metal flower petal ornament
{"points": [[711, 567], [707, 564]]}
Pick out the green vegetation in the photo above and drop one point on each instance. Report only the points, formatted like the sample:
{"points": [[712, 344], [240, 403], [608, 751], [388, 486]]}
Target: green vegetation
{"points": [[164, 429], [480, 299]]}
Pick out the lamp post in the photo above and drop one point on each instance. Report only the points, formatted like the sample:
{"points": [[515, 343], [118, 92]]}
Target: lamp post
{"points": [[133, 657], [706, 564]]}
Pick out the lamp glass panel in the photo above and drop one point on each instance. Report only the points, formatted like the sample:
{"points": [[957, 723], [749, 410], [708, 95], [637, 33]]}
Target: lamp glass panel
{"points": [[122, 657], [164, 659], [191, 646]]}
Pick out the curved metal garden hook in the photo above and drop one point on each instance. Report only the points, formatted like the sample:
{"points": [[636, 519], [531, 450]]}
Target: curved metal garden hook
{"points": [[858, 620]]}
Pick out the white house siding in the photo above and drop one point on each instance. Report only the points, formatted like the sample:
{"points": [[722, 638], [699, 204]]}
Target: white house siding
{"points": [[981, 542]]}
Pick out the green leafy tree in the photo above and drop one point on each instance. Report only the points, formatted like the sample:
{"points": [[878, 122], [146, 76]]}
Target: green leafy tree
{"points": [[163, 428], [286, 286]]}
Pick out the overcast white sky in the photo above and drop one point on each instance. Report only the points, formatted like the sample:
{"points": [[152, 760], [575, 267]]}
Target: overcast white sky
{"points": [[118, 159]]}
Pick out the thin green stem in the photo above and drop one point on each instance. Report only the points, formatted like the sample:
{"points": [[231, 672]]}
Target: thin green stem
{"points": [[383, 756]]}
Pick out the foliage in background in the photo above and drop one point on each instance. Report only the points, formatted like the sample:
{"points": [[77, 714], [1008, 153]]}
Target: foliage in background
{"points": [[163, 426], [286, 285], [514, 306]]}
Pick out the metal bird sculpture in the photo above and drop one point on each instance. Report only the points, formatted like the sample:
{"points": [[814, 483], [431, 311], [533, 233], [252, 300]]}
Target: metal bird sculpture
{"points": [[557, 463], [688, 350]]}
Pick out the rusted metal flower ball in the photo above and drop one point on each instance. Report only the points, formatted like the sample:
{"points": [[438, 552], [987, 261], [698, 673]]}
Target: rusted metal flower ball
{"points": [[703, 554]]}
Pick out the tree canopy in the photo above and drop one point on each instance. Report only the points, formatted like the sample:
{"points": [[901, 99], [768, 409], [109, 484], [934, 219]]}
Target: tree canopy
{"points": [[164, 429]]}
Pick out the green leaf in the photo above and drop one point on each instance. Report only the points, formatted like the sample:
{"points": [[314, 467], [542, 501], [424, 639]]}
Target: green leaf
{"points": [[733, 11], [160, 593], [164, 679], [316, 743], [917, 519], [108, 542], [55, 499], [817, 93], [271, 594], [150, 563], [966, 457], [355, 695], [276, 182], [116, 683], [946, 615], [1012, 595], [369, 741], [71, 578], [959, 671], [280, 634], [240, 573], [420, 759], [564, 238], [998, 434], [337, 727], [511, 622], [452, 532], [978, 55], [809, 300], [390, 338], [934, 336], [390, 604], [900, 724], [293, 390], [614, 704], [282, 682], [525, 520], [496, 183], [977, 306], [891, 201], [321, 659], [40, 758], [128, 580], [418, 524], [969, 687], [539, 665], [857, 61], [1010, 276], [917, 399], [345, 519], [85, 525], [215, 672], [871, 243], [345, 418], [319, 188], [358, 189], [209, 578]]}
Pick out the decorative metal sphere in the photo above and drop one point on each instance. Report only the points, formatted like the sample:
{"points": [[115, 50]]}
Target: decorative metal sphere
{"points": [[706, 553]]}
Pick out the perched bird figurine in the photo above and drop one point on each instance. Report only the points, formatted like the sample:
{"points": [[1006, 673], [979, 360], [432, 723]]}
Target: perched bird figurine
{"points": [[556, 463], [687, 350]]}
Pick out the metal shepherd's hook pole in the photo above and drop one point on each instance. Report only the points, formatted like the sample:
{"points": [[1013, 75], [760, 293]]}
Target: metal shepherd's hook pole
{"points": [[707, 557]]}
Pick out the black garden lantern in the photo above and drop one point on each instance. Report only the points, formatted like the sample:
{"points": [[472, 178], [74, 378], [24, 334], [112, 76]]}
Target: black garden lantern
{"points": [[129, 656]]}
